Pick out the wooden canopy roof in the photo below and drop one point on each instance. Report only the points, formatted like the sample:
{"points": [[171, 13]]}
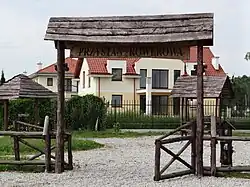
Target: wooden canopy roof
{"points": [[174, 28], [214, 87], [21, 86]]}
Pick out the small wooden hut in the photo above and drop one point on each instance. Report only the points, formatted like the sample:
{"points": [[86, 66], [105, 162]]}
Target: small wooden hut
{"points": [[21, 86], [216, 88]]}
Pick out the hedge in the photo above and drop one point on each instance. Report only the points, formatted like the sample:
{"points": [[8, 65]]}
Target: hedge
{"points": [[130, 120]]}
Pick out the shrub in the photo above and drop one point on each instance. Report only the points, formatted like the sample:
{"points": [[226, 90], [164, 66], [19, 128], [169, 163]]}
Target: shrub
{"points": [[26, 106], [82, 112]]}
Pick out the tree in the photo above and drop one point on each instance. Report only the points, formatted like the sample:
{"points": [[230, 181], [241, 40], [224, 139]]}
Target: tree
{"points": [[2, 78], [247, 56]]}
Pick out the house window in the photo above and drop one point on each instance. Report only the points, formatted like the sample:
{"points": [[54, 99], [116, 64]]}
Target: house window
{"points": [[89, 82], [160, 104], [116, 101], [68, 85], [177, 73], [49, 81], [83, 79], [159, 79], [193, 72], [117, 74], [143, 74]]}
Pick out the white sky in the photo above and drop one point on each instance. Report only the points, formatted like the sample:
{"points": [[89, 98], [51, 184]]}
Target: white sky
{"points": [[23, 26]]}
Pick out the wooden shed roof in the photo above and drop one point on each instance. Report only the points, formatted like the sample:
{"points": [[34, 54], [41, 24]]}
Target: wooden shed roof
{"points": [[21, 86], [173, 28], [214, 87]]}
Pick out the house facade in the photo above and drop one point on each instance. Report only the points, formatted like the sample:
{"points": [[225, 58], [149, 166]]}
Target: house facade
{"points": [[145, 83], [47, 76]]}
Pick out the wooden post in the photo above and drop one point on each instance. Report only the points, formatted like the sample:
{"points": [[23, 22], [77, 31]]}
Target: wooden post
{"points": [[70, 156], [193, 146], [182, 109], [47, 138], [200, 113], [157, 160], [16, 142], [6, 114], [59, 164], [36, 110], [213, 145]]}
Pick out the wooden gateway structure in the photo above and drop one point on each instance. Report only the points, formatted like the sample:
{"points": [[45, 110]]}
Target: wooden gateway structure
{"points": [[154, 36], [21, 86]]}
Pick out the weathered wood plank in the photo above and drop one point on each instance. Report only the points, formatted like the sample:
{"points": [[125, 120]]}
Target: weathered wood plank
{"points": [[173, 52], [29, 125], [176, 157], [173, 159], [157, 160], [176, 174], [200, 113], [133, 18], [131, 25], [59, 166], [176, 139], [23, 162], [166, 38], [127, 32], [213, 146]]}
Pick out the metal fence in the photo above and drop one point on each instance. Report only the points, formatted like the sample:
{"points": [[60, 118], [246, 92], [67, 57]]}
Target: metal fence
{"points": [[164, 116]]}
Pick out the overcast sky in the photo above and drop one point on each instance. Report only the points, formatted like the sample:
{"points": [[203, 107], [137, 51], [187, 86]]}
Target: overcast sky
{"points": [[23, 25]]}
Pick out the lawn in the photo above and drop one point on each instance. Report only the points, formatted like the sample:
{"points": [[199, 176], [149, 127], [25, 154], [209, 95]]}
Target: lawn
{"points": [[112, 134]]}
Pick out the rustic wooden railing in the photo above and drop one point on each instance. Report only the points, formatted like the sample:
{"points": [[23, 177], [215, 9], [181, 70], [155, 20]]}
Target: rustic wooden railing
{"points": [[160, 145], [36, 132]]}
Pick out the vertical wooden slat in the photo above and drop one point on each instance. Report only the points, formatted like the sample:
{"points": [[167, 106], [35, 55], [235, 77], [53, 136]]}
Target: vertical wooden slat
{"points": [[70, 156], [47, 138], [59, 164], [6, 114], [200, 112], [213, 145], [16, 142], [157, 160], [182, 110], [193, 146]]}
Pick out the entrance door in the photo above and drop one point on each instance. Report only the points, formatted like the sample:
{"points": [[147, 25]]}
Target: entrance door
{"points": [[143, 103]]}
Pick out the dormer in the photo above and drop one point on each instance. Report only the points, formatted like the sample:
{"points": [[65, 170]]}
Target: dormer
{"points": [[117, 64]]}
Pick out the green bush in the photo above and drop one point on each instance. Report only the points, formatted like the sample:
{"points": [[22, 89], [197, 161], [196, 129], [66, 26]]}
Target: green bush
{"points": [[134, 120], [82, 112], [27, 106]]}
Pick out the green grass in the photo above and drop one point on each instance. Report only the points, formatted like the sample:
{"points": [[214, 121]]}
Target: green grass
{"points": [[235, 175], [112, 134], [241, 134], [6, 145]]}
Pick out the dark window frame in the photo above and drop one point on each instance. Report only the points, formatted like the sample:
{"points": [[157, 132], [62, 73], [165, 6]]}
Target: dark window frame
{"points": [[179, 72], [83, 81], [141, 86], [159, 72], [114, 77], [51, 79], [115, 104], [68, 87]]}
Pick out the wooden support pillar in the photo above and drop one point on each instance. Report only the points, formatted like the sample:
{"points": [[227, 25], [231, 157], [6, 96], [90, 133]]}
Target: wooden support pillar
{"points": [[59, 164], [157, 176], [6, 114], [200, 113], [193, 146], [16, 142], [70, 156], [36, 110], [47, 138], [182, 110]]}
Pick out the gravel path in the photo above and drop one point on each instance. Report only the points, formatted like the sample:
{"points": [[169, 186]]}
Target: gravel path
{"points": [[125, 162]]}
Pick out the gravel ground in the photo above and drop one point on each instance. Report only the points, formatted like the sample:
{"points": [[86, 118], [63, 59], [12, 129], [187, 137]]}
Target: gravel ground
{"points": [[125, 162]]}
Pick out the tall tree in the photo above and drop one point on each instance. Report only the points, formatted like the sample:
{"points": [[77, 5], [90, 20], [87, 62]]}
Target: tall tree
{"points": [[2, 78]]}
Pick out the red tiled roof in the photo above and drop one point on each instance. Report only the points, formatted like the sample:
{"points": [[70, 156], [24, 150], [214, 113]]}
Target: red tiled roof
{"points": [[98, 65], [72, 63], [207, 59]]}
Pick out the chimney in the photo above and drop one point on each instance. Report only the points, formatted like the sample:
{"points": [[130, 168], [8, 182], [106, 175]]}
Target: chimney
{"points": [[39, 66], [215, 62]]}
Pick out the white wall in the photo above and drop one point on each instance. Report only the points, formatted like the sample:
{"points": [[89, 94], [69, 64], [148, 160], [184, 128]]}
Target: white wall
{"points": [[93, 81], [167, 64]]}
